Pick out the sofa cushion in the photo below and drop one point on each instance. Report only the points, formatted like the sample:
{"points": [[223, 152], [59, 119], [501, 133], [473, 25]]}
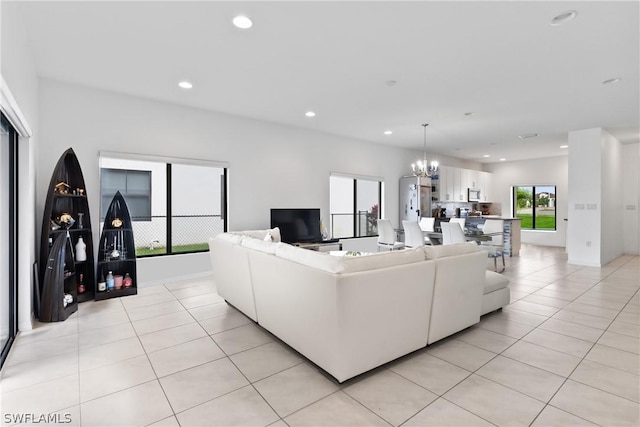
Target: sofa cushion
{"points": [[275, 235], [232, 238], [319, 260], [268, 247], [494, 281], [441, 251], [353, 264], [260, 234]]}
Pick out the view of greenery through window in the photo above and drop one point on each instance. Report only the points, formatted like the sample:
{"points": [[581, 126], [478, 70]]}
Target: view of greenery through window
{"points": [[536, 206]]}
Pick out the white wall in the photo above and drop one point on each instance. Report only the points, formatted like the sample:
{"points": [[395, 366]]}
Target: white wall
{"points": [[631, 198], [585, 178], [611, 210], [270, 165], [548, 171], [19, 72]]}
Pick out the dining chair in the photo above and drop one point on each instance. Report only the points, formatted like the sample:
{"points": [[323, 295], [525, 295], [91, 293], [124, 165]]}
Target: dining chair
{"points": [[452, 233], [461, 221], [427, 224], [495, 246], [413, 236], [387, 236]]}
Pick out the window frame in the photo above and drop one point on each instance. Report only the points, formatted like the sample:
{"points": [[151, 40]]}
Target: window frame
{"points": [[12, 237], [355, 213], [534, 207], [126, 193], [168, 162]]}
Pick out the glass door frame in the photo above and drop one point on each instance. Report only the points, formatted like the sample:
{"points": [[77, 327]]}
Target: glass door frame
{"points": [[12, 236]]}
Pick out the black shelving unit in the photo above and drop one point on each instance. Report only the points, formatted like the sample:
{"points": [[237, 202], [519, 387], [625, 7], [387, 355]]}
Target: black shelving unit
{"points": [[66, 195], [117, 251], [60, 295]]}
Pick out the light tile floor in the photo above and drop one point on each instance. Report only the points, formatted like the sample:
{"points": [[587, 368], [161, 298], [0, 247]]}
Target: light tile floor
{"points": [[565, 352]]}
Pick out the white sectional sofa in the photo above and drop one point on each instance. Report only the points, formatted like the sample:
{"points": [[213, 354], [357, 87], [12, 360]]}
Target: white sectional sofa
{"points": [[350, 314]]}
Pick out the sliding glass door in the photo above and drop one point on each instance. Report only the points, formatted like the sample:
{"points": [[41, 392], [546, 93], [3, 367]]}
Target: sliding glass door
{"points": [[8, 241]]}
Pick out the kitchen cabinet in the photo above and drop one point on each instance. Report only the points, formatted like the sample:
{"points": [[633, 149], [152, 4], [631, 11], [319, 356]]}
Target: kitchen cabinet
{"points": [[447, 184], [485, 186], [474, 179], [453, 183], [465, 182]]}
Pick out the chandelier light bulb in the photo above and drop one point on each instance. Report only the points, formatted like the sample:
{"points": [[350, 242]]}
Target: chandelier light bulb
{"points": [[425, 168]]}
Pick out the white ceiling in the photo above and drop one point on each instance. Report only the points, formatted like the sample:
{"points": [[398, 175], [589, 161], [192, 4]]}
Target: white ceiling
{"points": [[501, 60]]}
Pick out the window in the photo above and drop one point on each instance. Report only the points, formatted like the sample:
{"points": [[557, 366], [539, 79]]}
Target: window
{"points": [[536, 206], [354, 206], [135, 187], [175, 204]]}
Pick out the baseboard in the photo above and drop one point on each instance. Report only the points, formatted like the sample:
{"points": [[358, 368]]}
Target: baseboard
{"points": [[149, 283], [583, 263]]}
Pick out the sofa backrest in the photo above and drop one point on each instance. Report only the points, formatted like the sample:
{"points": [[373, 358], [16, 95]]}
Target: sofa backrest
{"points": [[348, 264], [443, 251], [260, 245], [273, 233]]}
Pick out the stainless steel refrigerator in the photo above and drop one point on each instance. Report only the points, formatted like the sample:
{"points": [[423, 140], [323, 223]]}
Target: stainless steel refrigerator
{"points": [[415, 198]]}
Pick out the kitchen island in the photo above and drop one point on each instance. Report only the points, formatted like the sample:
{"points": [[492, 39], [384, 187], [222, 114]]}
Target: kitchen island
{"points": [[512, 230]]}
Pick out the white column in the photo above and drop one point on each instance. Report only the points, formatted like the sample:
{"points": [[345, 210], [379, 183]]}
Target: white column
{"points": [[595, 197]]}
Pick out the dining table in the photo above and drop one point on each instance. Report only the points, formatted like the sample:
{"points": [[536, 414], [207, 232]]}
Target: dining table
{"points": [[436, 237]]}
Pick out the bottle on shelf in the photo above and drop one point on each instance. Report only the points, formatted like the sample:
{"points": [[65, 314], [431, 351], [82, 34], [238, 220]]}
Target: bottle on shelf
{"points": [[81, 250], [81, 287], [111, 284], [127, 281], [102, 284]]}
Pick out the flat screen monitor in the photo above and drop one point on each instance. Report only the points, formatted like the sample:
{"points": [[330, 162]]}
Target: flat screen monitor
{"points": [[297, 225]]}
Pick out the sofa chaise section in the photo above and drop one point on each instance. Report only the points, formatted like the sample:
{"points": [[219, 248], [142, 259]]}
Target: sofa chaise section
{"points": [[231, 272], [458, 288]]}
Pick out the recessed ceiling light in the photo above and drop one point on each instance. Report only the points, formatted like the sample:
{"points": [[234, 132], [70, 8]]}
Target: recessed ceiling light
{"points": [[242, 22], [486, 156], [387, 132], [502, 159], [185, 85], [528, 135], [564, 17], [470, 113], [564, 146], [611, 81], [310, 114]]}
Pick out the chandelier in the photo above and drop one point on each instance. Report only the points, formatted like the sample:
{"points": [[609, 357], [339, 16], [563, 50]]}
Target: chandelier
{"points": [[423, 168]]}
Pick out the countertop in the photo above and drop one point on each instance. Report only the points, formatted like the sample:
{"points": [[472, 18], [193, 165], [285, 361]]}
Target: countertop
{"points": [[471, 217], [494, 217]]}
